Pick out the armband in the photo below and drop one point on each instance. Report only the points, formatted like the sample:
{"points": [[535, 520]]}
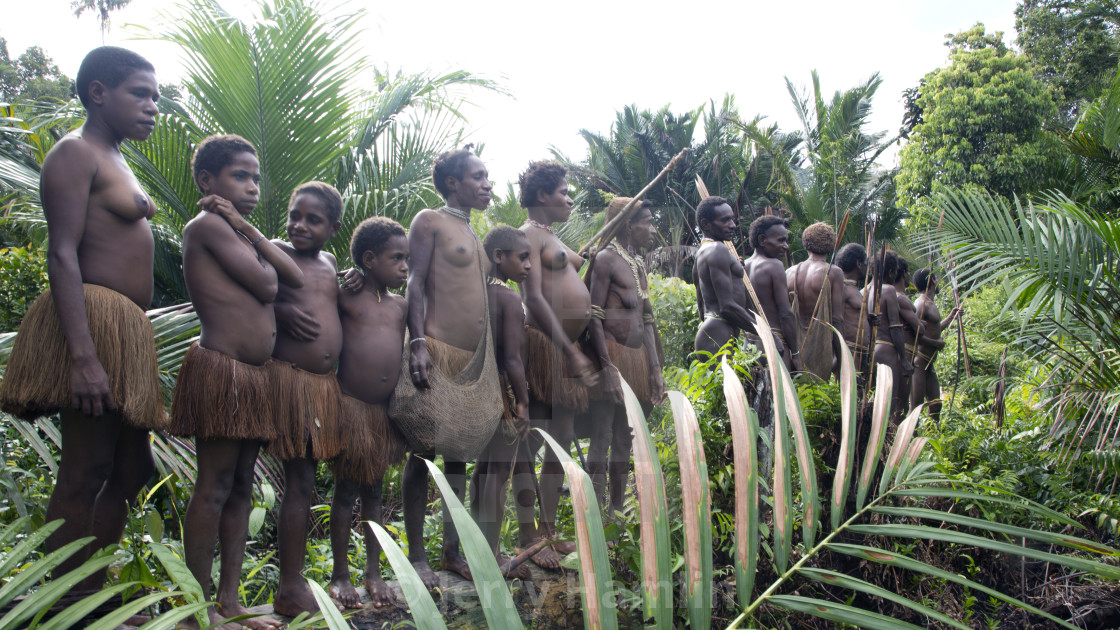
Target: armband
{"points": [[258, 239], [418, 339]]}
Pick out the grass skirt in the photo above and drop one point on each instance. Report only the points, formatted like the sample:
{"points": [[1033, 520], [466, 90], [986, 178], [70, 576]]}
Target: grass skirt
{"points": [[37, 381], [219, 397], [547, 373], [371, 445], [633, 364], [306, 408]]}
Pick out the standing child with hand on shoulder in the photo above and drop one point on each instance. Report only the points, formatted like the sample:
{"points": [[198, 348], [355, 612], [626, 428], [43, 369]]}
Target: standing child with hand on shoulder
{"points": [[373, 324], [305, 393], [222, 395]]}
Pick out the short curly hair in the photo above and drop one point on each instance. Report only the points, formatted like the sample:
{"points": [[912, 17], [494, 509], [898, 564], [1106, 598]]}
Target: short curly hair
{"points": [[850, 257], [110, 66], [819, 238], [216, 151], [450, 164], [922, 278], [371, 235], [540, 176], [618, 203], [328, 194], [503, 237], [885, 267], [761, 225], [706, 209]]}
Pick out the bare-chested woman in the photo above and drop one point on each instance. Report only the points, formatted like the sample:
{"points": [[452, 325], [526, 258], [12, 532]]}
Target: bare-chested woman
{"points": [[925, 386], [558, 306], [446, 319], [718, 275]]}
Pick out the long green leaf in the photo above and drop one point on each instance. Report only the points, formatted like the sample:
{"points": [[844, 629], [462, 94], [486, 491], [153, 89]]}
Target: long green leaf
{"points": [[599, 611], [493, 592], [122, 614], [423, 608], [653, 522], [846, 581], [72, 614], [902, 437], [177, 569], [923, 532], [881, 410], [330, 612], [168, 620], [805, 465], [744, 438], [840, 613], [697, 508], [20, 552], [1016, 502], [841, 482], [890, 558], [24, 579]]}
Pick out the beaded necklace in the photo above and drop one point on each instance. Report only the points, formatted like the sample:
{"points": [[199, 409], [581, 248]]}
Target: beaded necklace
{"points": [[455, 212], [634, 265], [538, 224]]}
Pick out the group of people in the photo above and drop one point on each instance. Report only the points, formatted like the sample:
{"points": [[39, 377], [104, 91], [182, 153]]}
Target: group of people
{"points": [[877, 323], [288, 361]]}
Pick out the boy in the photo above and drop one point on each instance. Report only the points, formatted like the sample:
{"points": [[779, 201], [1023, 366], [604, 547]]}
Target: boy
{"points": [[373, 322], [925, 386], [222, 396], [770, 241], [507, 248], [85, 348], [305, 393]]}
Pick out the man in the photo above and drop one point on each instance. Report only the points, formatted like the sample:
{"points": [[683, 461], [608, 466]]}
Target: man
{"points": [[770, 240], [85, 348], [718, 275], [623, 335], [925, 386], [816, 288], [858, 319]]}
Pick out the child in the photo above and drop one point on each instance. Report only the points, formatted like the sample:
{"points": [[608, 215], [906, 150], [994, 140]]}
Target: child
{"points": [[507, 248], [85, 348], [222, 396], [305, 392], [373, 322]]}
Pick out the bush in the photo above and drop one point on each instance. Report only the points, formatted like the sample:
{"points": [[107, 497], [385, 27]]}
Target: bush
{"points": [[674, 307], [23, 276]]}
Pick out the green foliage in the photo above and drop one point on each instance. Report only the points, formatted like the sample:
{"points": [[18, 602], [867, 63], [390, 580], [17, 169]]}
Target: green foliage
{"points": [[32, 76], [1072, 45], [982, 124], [674, 307], [23, 276]]}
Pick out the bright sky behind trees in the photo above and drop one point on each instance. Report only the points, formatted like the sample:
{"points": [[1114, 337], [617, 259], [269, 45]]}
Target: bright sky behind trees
{"points": [[572, 65]]}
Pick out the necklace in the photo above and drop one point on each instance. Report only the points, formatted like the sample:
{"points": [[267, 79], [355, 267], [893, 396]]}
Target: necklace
{"points": [[538, 224], [851, 282], [494, 282], [455, 212], [634, 265]]}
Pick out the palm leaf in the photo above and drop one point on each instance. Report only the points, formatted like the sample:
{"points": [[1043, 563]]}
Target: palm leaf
{"points": [[697, 508], [424, 612], [744, 435]]}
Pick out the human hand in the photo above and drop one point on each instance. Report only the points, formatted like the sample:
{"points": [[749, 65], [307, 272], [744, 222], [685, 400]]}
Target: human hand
{"points": [[296, 322], [581, 367], [89, 388], [907, 369], [657, 393], [352, 280], [612, 384], [224, 208], [419, 363], [873, 319], [794, 362], [521, 421]]}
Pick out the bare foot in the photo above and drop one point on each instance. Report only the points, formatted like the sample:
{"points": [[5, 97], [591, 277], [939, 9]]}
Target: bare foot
{"points": [[342, 590], [545, 558], [427, 576], [519, 573], [455, 563], [257, 622], [293, 599], [565, 547], [379, 591]]}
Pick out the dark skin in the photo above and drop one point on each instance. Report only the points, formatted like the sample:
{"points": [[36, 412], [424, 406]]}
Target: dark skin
{"points": [[507, 322], [718, 276], [767, 275], [97, 218], [232, 283], [809, 277], [446, 300], [373, 324], [925, 385], [891, 354], [559, 305], [857, 317], [614, 288], [309, 227]]}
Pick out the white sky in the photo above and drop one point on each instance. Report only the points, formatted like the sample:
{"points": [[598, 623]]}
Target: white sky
{"points": [[572, 65]]}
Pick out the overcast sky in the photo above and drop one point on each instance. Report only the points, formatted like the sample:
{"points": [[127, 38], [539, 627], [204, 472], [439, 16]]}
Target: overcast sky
{"points": [[572, 65]]}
